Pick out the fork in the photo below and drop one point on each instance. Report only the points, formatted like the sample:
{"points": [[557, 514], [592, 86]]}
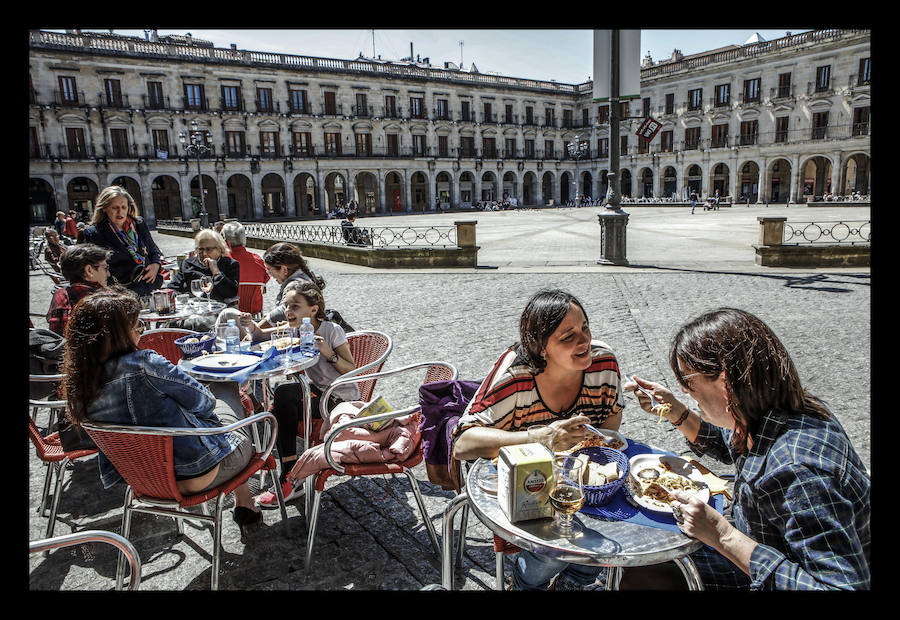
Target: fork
{"points": [[653, 401]]}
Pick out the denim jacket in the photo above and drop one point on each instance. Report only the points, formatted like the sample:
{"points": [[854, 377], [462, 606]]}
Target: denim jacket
{"points": [[144, 389]]}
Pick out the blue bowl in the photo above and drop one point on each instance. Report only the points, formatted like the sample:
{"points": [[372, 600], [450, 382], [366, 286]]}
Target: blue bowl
{"points": [[193, 349], [601, 495]]}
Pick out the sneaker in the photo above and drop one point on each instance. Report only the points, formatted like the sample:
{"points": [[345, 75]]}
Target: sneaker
{"points": [[270, 500]]}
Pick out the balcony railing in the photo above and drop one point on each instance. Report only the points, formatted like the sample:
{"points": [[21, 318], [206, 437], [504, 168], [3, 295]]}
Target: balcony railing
{"points": [[61, 98], [156, 103], [115, 101]]}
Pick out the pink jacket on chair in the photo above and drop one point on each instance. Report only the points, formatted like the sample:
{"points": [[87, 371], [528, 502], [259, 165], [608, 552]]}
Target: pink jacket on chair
{"points": [[394, 442]]}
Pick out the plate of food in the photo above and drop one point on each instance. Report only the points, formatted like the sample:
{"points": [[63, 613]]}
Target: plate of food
{"points": [[601, 438], [654, 478], [281, 344], [225, 361]]}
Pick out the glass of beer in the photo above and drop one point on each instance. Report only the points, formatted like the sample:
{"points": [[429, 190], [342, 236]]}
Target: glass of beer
{"points": [[566, 495]]}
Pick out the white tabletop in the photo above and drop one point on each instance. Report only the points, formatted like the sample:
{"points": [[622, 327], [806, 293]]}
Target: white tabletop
{"points": [[297, 364], [183, 311]]}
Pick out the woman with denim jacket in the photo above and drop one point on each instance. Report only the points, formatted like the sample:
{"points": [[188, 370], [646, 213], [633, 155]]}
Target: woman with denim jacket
{"points": [[108, 379], [802, 501]]}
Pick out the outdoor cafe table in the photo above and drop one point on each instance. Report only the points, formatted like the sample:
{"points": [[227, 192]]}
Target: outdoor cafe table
{"points": [[603, 541], [182, 311], [273, 367]]}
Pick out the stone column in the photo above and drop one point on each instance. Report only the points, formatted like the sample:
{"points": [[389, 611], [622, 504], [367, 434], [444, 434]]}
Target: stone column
{"points": [[836, 173], [256, 181], [379, 192], [184, 183], [290, 198], [763, 193], [407, 189], [147, 199], [797, 180]]}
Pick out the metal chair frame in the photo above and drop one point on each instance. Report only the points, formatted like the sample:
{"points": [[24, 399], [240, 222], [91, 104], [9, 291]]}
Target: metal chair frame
{"points": [[436, 371], [50, 451], [89, 536], [174, 506]]}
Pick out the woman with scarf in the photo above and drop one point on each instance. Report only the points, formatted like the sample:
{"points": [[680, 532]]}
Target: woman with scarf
{"points": [[135, 258]]}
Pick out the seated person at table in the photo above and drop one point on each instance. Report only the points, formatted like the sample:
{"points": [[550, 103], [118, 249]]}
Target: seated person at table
{"points": [[212, 260], [85, 267], [54, 250], [303, 299], [109, 380], [555, 375], [252, 267], [802, 495], [285, 263]]}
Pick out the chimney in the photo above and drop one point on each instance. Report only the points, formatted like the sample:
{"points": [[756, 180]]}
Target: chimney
{"points": [[410, 52], [677, 55], [234, 46]]}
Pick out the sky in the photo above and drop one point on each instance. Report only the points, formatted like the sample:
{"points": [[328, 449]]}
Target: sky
{"points": [[541, 54]]}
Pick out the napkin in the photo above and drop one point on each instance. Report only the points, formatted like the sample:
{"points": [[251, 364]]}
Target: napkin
{"points": [[264, 363]]}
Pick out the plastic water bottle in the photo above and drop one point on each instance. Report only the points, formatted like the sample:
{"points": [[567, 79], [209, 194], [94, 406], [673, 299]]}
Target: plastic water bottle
{"points": [[307, 334], [232, 338]]}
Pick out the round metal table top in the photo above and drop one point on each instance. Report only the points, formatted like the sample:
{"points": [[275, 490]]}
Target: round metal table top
{"points": [[183, 311], [601, 542], [296, 365]]}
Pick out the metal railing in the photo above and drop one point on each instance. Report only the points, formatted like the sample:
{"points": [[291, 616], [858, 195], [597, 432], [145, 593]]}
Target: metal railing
{"points": [[381, 236], [841, 232]]}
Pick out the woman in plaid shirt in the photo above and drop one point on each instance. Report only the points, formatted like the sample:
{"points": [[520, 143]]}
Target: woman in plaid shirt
{"points": [[800, 518]]}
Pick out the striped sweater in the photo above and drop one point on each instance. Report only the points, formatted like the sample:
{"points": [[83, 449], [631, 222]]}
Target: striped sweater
{"points": [[508, 398]]}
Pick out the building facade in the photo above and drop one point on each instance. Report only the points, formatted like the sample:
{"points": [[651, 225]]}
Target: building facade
{"points": [[295, 136]]}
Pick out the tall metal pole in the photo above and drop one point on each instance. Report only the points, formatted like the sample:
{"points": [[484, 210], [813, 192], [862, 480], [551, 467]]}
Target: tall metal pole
{"points": [[613, 221], [204, 216]]}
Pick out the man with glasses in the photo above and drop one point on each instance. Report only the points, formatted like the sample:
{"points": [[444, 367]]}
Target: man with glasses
{"points": [[85, 267]]}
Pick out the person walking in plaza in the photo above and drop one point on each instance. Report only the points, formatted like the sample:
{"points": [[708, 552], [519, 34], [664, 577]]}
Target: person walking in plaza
{"points": [[693, 201], [303, 299], [802, 505], [85, 267], [60, 223], [556, 375], [70, 229], [135, 260], [108, 379]]}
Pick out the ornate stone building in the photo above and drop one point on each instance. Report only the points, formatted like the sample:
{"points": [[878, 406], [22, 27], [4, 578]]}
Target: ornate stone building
{"points": [[293, 136]]}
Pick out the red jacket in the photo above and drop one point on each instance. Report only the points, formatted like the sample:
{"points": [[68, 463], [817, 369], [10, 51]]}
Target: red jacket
{"points": [[253, 269], [71, 228]]}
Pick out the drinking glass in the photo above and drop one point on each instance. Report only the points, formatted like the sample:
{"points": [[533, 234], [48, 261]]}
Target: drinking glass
{"points": [[196, 289], [206, 285], [280, 333], [542, 434], [566, 495]]}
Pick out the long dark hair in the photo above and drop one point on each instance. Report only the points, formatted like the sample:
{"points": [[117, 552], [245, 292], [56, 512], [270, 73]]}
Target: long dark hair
{"points": [[542, 315], [288, 254], [759, 373], [98, 330]]}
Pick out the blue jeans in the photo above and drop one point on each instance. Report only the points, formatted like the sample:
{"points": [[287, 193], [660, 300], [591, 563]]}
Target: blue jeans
{"points": [[534, 572]]}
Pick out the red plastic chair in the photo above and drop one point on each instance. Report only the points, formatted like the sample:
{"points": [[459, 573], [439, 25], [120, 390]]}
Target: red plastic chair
{"points": [[250, 297], [434, 371], [143, 456], [163, 342], [50, 451], [370, 351]]}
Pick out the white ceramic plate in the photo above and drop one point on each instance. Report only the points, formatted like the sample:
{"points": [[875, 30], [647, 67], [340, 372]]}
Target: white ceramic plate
{"points": [[225, 361], [655, 461]]}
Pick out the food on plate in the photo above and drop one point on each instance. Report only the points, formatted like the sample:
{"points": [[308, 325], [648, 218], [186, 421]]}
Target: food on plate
{"points": [[596, 441], [281, 343], [660, 490], [662, 409], [648, 473]]}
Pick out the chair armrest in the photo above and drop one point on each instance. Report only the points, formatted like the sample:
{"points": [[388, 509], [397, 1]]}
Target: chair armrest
{"points": [[335, 431], [86, 536], [267, 418], [350, 377]]}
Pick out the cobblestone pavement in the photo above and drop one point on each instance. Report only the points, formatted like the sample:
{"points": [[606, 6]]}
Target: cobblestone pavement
{"points": [[370, 535]]}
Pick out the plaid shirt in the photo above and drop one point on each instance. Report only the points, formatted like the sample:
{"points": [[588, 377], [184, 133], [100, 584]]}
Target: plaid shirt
{"points": [[803, 494]]}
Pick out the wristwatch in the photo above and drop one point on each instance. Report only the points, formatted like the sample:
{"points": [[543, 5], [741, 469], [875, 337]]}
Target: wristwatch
{"points": [[333, 359]]}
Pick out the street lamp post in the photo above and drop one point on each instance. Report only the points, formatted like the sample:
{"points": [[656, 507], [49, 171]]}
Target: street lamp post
{"points": [[576, 150], [613, 221], [196, 145]]}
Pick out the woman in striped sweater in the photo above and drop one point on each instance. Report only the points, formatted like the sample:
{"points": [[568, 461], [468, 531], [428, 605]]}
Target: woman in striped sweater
{"points": [[556, 375]]}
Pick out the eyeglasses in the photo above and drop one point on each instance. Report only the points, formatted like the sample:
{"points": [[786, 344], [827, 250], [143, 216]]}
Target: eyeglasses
{"points": [[207, 250], [140, 327]]}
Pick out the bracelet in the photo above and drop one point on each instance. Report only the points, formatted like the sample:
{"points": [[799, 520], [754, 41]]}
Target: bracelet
{"points": [[682, 418]]}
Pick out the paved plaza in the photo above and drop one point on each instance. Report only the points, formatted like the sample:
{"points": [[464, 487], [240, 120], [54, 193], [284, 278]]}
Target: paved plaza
{"points": [[370, 534]]}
